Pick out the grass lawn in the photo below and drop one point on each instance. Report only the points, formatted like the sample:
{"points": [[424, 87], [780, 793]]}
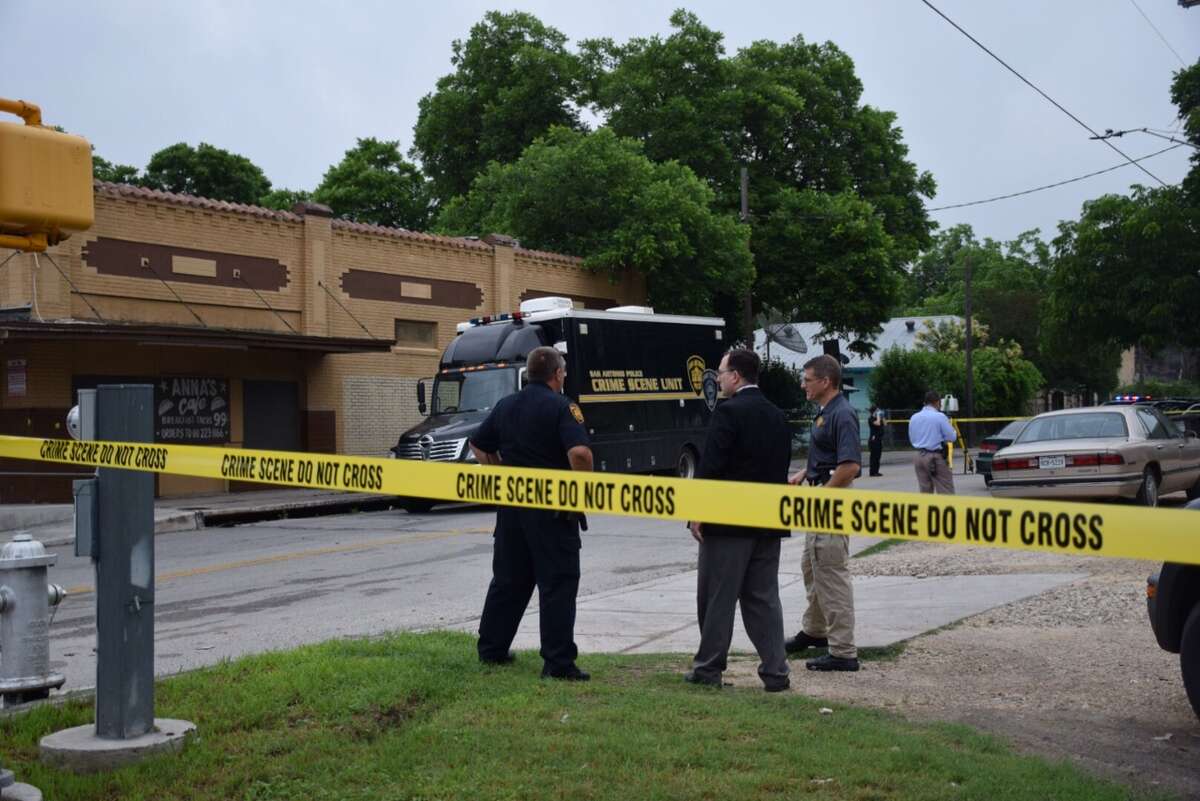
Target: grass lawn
{"points": [[415, 716]]}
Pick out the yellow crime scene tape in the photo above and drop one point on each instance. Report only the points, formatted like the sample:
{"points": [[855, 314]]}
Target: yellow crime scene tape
{"points": [[1080, 529]]}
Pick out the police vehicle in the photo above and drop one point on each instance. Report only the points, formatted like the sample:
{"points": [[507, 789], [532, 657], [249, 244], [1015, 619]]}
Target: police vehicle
{"points": [[646, 383]]}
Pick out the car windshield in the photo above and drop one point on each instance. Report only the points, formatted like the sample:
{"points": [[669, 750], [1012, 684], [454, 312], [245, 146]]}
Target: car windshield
{"points": [[1011, 430], [1075, 426], [476, 391]]}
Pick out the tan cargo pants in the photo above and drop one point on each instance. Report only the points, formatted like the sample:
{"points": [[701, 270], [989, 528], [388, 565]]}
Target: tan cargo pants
{"points": [[830, 613]]}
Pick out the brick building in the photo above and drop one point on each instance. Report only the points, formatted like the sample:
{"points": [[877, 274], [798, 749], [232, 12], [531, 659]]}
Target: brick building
{"points": [[258, 328]]}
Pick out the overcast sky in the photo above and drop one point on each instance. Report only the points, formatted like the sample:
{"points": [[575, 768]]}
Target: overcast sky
{"points": [[292, 84]]}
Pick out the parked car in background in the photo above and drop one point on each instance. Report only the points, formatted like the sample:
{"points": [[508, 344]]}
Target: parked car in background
{"points": [[1173, 603], [987, 449], [1119, 451]]}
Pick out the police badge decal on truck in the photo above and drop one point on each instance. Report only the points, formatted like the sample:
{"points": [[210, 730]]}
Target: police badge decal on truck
{"points": [[704, 381]]}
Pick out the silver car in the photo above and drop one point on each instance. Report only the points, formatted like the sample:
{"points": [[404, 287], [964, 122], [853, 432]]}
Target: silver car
{"points": [[1099, 452]]}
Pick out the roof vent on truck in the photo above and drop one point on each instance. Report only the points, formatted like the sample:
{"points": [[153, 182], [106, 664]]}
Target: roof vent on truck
{"points": [[551, 303]]}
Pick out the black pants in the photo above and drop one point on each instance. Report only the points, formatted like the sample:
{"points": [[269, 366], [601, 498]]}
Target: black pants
{"points": [[533, 548], [876, 446]]}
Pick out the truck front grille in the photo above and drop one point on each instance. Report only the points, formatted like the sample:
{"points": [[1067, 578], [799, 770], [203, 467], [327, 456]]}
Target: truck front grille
{"points": [[443, 451]]}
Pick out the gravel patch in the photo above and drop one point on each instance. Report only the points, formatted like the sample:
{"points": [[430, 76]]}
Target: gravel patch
{"points": [[1073, 673]]}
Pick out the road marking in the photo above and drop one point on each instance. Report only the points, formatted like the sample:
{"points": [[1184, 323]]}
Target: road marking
{"points": [[428, 536]]}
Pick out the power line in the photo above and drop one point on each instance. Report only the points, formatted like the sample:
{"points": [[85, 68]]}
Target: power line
{"points": [[1156, 30], [1153, 132], [1051, 186], [1028, 83]]}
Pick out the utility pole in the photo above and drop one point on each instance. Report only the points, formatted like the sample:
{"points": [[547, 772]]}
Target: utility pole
{"points": [[970, 404], [747, 315]]}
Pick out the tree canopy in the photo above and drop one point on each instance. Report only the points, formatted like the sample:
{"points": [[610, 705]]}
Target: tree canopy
{"points": [[1185, 94], [597, 196], [791, 113], [105, 170], [374, 184], [513, 79], [1128, 271], [206, 171]]}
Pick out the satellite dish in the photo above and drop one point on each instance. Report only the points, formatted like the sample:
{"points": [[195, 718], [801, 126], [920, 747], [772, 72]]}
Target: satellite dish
{"points": [[786, 335]]}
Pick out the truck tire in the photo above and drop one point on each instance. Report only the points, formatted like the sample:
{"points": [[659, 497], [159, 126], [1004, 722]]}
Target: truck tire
{"points": [[1189, 658], [1147, 494], [688, 461]]}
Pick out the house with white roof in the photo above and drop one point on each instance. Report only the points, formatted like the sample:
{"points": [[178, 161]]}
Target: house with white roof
{"points": [[856, 375]]}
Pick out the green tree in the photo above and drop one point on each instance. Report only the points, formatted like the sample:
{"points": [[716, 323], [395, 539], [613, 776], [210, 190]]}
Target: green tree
{"points": [[1185, 94], [105, 170], [374, 184], [513, 79], [950, 336], [1128, 271], [902, 377], [206, 171], [792, 113], [1004, 382], [838, 262], [783, 385], [598, 197], [284, 199]]}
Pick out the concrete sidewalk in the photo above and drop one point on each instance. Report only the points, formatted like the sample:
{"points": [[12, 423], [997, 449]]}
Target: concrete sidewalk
{"points": [[659, 616]]}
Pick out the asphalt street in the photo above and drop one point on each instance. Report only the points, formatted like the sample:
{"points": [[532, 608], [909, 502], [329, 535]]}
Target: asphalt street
{"points": [[225, 592]]}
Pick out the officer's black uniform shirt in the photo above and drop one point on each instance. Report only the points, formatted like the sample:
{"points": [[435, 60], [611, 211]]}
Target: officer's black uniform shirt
{"points": [[533, 428], [834, 439]]}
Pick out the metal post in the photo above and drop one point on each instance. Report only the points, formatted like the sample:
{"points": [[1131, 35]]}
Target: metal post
{"points": [[747, 311], [125, 571], [970, 401]]}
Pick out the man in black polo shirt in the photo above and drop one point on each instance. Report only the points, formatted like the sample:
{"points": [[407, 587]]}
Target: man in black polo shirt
{"points": [[537, 427], [834, 460]]}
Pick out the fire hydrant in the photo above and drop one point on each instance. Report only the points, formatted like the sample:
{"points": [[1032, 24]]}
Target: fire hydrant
{"points": [[25, 602]]}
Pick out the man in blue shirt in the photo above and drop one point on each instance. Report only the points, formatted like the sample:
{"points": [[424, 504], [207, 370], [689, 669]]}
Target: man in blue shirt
{"points": [[929, 430]]}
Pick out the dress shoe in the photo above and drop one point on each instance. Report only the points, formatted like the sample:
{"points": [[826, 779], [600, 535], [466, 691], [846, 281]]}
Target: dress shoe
{"points": [[831, 662], [572, 673], [802, 641], [778, 687], [507, 659], [692, 677]]}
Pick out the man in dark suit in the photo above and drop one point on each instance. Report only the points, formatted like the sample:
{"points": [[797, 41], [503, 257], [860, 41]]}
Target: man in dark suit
{"points": [[748, 440]]}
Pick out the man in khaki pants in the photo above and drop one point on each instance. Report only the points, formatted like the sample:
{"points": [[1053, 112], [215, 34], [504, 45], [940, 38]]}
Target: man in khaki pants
{"points": [[834, 459]]}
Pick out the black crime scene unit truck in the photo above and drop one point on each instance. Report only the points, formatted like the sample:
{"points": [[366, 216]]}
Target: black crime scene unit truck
{"points": [[646, 383]]}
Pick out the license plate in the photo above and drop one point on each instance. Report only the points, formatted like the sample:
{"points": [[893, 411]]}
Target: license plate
{"points": [[1052, 462]]}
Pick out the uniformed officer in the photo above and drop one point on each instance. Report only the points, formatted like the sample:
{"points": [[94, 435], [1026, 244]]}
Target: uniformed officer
{"points": [[536, 427], [834, 459]]}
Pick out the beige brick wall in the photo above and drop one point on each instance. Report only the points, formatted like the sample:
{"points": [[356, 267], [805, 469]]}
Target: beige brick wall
{"points": [[377, 410], [372, 395]]}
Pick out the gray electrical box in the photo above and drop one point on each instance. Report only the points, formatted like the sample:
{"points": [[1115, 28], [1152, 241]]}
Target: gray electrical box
{"points": [[87, 518]]}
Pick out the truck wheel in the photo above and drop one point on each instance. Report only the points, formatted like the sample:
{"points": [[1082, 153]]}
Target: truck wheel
{"points": [[1189, 658], [416, 506], [686, 467], [1148, 493], [1194, 491]]}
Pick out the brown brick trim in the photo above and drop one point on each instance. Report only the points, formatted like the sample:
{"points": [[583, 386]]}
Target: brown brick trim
{"points": [[123, 257], [370, 285]]}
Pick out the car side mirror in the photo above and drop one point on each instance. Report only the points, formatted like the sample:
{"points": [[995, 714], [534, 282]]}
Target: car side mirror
{"points": [[421, 396]]}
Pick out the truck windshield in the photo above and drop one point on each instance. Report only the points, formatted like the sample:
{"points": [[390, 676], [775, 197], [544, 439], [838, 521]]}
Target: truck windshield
{"points": [[476, 391]]}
